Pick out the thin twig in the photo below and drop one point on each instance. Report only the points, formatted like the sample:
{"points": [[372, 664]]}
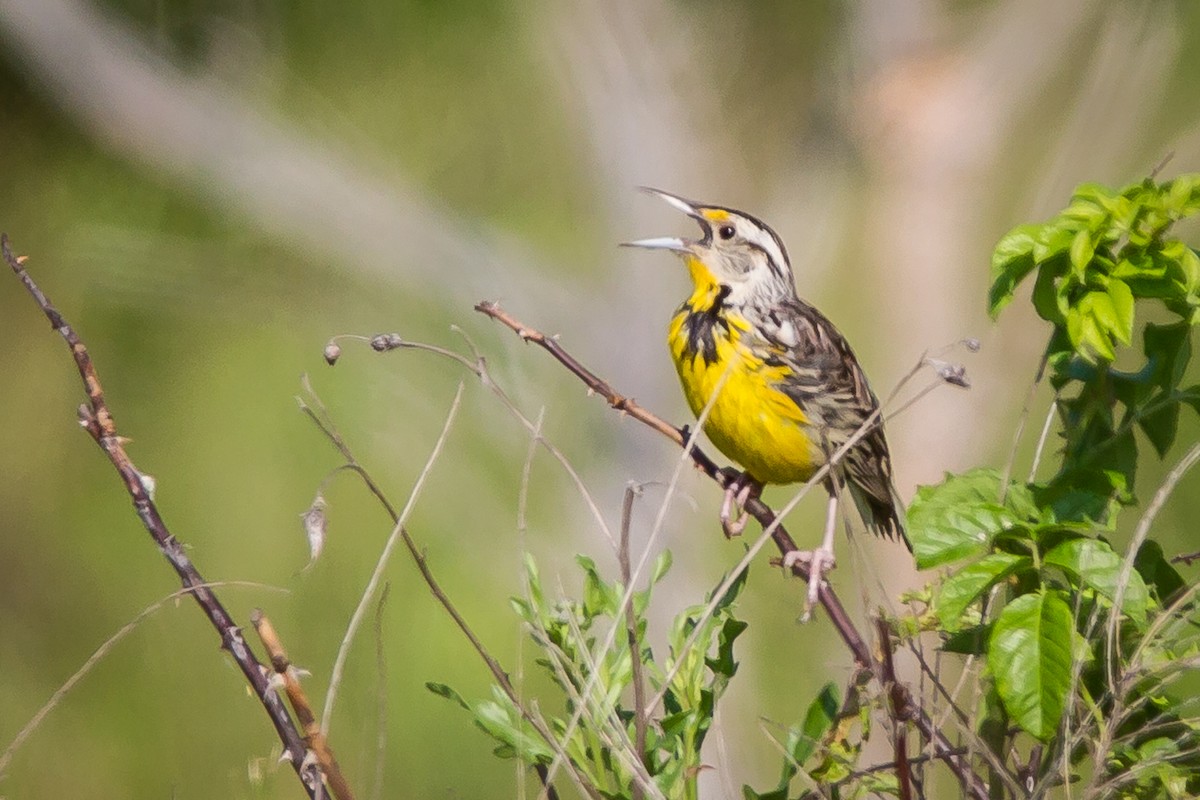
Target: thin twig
{"points": [[386, 342], [1135, 544], [97, 420], [828, 598], [381, 694], [364, 602], [890, 683], [103, 650], [1022, 421], [522, 531], [288, 676], [1036, 461], [635, 648]]}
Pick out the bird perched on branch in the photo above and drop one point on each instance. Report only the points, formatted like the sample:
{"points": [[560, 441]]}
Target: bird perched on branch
{"points": [[777, 386]]}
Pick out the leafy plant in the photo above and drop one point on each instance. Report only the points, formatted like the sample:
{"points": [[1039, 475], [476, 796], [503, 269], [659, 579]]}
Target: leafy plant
{"points": [[1073, 634], [599, 727]]}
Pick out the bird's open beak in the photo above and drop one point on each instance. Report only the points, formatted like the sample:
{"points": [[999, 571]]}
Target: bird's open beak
{"points": [[672, 242]]}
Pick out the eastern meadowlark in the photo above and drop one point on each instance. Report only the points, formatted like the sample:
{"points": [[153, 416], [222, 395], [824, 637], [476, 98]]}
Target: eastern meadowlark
{"points": [[789, 392]]}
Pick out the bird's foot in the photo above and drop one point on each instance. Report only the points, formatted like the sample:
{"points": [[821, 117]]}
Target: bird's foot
{"points": [[820, 561], [738, 491]]}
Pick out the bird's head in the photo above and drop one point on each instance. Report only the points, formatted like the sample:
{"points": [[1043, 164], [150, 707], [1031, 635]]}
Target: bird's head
{"points": [[735, 250]]}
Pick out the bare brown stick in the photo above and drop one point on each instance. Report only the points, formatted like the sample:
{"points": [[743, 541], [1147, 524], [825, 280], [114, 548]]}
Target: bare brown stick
{"points": [[903, 702], [635, 648], [97, 420], [891, 683], [313, 736]]}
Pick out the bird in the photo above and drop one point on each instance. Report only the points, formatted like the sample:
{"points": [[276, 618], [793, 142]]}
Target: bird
{"points": [[775, 385]]}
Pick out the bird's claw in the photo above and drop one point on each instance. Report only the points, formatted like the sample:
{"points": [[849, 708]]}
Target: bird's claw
{"points": [[738, 492], [820, 561], [732, 527]]}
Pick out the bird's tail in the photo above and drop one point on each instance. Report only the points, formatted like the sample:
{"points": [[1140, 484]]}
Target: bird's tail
{"points": [[882, 517]]}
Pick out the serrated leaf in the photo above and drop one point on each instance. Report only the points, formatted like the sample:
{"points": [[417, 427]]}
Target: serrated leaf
{"points": [[731, 594], [725, 664], [1029, 654], [959, 517], [963, 587], [1094, 563]]}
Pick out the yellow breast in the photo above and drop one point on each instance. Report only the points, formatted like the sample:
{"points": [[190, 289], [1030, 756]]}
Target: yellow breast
{"points": [[750, 421]]}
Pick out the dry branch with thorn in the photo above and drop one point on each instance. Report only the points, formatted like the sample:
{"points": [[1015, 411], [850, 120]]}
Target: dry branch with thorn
{"points": [[288, 677], [96, 418]]}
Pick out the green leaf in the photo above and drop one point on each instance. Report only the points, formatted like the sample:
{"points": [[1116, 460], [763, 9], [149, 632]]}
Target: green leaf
{"points": [[1082, 250], [1161, 426], [818, 720], [442, 690], [1158, 572], [1047, 301], [959, 517], [1085, 494], [1029, 654], [725, 664], [1053, 240], [963, 587], [1012, 260], [502, 722], [662, 565], [1089, 324], [731, 594], [1121, 299], [1168, 348], [1095, 565], [970, 641]]}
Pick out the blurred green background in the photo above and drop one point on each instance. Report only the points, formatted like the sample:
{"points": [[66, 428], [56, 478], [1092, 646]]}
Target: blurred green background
{"points": [[210, 190]]}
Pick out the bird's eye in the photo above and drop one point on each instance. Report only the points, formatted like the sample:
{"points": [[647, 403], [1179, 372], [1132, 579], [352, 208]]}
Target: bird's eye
{"points": [[726, 231]]}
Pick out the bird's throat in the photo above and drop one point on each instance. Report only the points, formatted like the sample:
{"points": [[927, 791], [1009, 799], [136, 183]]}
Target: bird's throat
{"points": [[708, 292]]}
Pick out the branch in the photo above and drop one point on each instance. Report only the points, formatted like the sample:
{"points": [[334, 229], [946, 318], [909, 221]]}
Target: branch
{"points": [[903, 705], [96, 418], [892, 684], [313, 736]]}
